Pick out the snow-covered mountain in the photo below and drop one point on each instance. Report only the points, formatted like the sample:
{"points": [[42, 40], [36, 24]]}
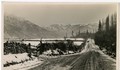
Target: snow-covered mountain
{"points": [[64, 30], [15, 27]]}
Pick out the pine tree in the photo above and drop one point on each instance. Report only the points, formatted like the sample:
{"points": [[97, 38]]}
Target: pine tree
{"points": [[100, 26], [112, 20], [106, 38], [107, 23]]}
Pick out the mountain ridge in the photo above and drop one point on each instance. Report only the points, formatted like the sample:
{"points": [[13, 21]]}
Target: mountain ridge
{"points": [[15, 27], [67, 29], [20, 28]]}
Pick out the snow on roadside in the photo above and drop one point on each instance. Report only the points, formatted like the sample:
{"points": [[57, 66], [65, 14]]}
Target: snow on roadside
{"points": [[47, 52], [44, 56], [107, 56], [90, 45], [10, 58], [15, 58], [24, 66]]}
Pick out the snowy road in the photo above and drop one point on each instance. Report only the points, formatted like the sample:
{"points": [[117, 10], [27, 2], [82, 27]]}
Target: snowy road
{"points": [[91, 58]]}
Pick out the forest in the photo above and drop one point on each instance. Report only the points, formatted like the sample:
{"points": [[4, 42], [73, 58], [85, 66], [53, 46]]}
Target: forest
{"points": [[105, 37]]}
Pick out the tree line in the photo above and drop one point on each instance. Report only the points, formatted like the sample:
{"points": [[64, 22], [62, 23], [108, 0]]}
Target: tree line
{"points": [[16, 47], [105, 37], [64, 47]]}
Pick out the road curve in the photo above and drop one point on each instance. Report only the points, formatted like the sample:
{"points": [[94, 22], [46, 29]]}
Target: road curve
{"points": [[91, 58]]}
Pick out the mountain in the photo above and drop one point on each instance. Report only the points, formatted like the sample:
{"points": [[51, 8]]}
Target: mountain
{"points": [[15, 27], [64, 30]]}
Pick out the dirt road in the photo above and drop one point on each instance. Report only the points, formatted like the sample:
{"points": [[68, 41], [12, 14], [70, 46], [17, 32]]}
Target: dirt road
{"points": [[91, 58]]}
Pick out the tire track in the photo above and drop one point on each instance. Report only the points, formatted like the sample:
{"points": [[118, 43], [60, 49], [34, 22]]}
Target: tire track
{"points": [[92, 59]]}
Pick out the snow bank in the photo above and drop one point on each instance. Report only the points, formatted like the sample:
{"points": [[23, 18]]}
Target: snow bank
{"points": [[15, 58], [55, 52], [10, 58], [24, 66], [49, 52]]}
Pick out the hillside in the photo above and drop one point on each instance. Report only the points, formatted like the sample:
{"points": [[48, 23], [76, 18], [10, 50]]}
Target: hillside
{"points": [[62, 30], [15, 27]]}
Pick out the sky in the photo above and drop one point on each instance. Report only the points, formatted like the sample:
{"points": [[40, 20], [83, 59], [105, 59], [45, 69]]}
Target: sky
{"points": [[44, 14]]}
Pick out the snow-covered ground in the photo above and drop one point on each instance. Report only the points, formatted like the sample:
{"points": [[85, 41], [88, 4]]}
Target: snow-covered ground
{"points": [[32, 63], [15, 58], [48, 52], [24, 66], [45, 56], [18, 58]]}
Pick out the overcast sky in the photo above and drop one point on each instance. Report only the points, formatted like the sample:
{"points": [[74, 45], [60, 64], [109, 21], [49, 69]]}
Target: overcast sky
{"points": [[45, 14]]}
